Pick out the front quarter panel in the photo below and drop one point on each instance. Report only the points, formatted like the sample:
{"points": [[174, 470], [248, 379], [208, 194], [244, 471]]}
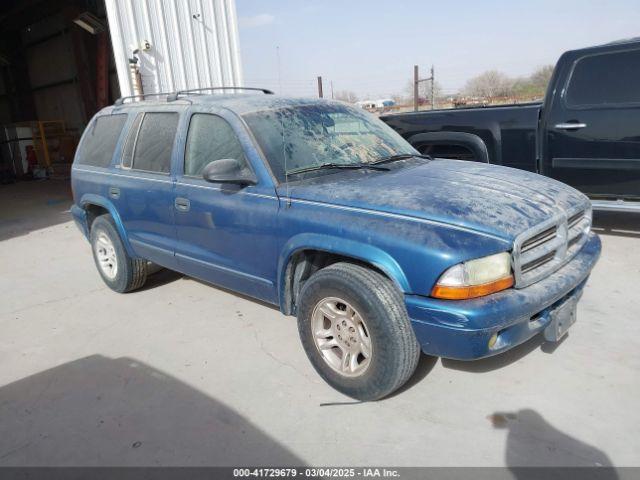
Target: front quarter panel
{"points": [[412, 252]]}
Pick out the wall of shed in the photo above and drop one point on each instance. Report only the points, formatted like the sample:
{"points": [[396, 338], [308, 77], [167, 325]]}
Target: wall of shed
{"points": [[193, 43], [52, 71]]}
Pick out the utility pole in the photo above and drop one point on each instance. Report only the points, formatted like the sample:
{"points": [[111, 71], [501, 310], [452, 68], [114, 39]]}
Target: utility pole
{"points": [[433, 98], [416, 82], [320, 87]]}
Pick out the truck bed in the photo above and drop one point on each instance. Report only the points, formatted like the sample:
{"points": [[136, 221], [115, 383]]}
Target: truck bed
{"points": [[509, 131]]}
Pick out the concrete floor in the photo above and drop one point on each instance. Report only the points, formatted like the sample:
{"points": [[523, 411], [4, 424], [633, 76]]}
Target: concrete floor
{"points": [[182, 373]]}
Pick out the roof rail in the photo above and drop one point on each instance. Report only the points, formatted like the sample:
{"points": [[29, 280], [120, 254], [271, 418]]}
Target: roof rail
{"points": [[175, 95], [121, 100]]}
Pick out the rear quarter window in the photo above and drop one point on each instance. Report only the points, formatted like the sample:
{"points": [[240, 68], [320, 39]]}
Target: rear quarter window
{"points": [[99, 141]]}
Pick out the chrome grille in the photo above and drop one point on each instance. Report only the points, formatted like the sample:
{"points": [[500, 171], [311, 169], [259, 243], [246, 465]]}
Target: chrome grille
{"points": [[545, 248]]}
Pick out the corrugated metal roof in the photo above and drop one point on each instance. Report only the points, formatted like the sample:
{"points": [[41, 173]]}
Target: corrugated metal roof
{"points": [[193, 43]]}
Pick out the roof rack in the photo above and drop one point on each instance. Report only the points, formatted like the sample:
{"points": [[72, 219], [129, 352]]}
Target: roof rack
{"points": [[175, 95], [121, 100]]}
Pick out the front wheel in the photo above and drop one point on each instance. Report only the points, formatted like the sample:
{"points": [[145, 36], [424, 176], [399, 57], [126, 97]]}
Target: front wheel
{"points": [[355, 330]]}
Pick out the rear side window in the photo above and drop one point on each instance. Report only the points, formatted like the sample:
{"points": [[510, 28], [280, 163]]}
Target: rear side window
{"points": [[100, 140], [210, 138], [605, 79], [154, 142]]}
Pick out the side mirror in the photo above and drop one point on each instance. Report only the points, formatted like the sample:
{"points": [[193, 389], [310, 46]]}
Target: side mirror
{"points": [[228, 170]]}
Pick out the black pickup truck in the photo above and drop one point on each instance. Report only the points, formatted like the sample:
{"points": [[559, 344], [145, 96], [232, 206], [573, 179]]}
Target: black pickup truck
{"points": [[585, 133]]}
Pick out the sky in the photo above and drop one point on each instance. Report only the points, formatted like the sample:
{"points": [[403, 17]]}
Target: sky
{"points": [[370, 47]]}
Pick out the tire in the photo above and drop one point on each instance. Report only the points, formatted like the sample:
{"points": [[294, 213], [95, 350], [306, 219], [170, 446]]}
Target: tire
{"points": [[129, 273], [393, 350]]}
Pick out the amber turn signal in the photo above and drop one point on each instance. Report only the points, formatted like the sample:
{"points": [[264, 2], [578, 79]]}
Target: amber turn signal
{"points": [[472, 291]]}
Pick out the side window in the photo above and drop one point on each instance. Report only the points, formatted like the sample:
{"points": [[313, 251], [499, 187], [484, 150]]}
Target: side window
{"points": [[154, 142], [130, 144], [210, 138], [100, 140], [605, 79]]}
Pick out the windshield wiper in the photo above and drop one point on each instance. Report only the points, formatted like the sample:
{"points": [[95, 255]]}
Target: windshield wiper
{"points": [[402, 156], [323, 166]]}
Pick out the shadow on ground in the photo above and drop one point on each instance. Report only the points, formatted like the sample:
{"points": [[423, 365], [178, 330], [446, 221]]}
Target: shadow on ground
{"points": [[534, 442], [425, 365], [98, 411], [506, 358], [159, 278], [33, 205]]}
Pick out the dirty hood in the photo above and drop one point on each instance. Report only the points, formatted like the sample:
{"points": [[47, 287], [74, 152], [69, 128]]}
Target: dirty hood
{"points": [[500, 201]]}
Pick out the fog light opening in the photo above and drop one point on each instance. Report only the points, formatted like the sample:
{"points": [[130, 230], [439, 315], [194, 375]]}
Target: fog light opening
{"points": [[493, 340]]}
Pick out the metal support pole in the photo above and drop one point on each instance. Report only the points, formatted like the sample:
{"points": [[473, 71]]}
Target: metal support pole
{"points": [[433, 98], [134, 77], [415, 87]]}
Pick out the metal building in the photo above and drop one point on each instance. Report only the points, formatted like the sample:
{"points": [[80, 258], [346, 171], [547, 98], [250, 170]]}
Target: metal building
{"points": [[174, 44]]}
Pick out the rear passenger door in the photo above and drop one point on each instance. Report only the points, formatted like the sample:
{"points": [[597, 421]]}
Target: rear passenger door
{"points": [[226, 233], [593, 130], [142, 190]]}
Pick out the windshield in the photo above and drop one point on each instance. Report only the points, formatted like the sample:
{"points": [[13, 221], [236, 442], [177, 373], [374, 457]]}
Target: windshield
{"points": [[317, 134]]}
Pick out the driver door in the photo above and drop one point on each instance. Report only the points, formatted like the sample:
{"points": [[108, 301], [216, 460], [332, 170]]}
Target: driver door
{"points": [[226, 232]]}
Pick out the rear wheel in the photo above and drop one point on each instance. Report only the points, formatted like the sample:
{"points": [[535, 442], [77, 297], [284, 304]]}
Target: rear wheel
{"points": [[119, 271], [355, 330]]}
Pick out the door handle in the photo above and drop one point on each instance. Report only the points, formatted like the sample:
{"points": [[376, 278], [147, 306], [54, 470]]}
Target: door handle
{"points": [[570, 126], [182, 204], [114, 192]]}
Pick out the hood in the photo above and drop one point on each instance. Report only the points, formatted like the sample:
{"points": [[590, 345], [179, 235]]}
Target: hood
{"points": [[499, 201]]}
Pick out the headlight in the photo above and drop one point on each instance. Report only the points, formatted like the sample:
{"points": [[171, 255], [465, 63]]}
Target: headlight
{"points": [[475, 278]]}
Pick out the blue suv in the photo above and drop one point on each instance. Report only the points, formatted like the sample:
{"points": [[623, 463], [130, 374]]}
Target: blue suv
{"points": [[322, 209]]}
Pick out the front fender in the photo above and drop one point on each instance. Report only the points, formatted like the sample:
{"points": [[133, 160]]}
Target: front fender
{"points": [[341, 246], [93, 199]]}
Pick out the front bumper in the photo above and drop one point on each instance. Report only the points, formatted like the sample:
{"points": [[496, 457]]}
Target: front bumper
{"points": [[462, 329]]}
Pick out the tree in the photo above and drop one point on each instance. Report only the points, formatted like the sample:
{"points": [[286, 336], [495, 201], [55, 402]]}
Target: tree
{"points": [[540, 78], [535, 85], [522, 87], [346, 96], [489, 84]]}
